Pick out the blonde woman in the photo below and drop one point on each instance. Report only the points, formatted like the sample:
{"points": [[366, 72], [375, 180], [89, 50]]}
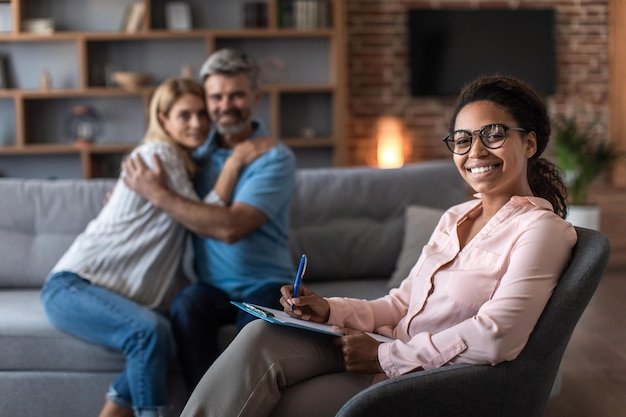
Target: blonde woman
{"points": [[111, 285]]}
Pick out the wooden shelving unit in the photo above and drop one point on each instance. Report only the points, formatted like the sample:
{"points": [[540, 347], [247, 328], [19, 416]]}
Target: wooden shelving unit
{"points": [[617, 83], [303, 77]]}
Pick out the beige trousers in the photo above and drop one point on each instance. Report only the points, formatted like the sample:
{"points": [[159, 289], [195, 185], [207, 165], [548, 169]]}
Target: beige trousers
{"points": [[272, 370]]}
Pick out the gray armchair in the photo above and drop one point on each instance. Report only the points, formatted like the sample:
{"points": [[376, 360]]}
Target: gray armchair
{"points": [[519, 388]]}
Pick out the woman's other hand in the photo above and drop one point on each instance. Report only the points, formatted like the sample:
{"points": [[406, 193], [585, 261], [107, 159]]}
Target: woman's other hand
{"points": [[249, 150], [359, 350]]}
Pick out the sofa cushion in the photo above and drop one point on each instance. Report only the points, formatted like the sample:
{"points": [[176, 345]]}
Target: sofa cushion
{"points": [[322, 195], [39, 222], [30, 343], [419, 224], [349, 221], [342, 248]]}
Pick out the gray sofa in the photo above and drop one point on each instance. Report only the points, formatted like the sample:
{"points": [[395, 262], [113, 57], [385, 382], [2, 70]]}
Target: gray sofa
{"points": [[349, 221]]}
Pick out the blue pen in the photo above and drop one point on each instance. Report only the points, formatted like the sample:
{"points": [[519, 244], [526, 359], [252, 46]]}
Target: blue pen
{"points": [[299, 275]]}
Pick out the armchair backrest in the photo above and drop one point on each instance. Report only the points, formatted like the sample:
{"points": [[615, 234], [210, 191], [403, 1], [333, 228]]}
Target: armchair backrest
{"points": [[519, 388], [531, 375]]}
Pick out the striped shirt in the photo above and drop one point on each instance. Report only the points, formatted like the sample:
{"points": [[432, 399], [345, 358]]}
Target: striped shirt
{"points": [[131, 247]]}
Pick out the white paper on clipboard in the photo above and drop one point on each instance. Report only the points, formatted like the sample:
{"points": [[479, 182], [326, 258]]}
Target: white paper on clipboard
{"points": [[280, 317]]}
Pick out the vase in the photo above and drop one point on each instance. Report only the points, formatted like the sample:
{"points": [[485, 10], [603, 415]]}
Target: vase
{"points": [[584, 216], [83, 124]]}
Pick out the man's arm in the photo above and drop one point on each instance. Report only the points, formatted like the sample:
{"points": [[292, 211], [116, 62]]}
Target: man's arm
{"points": [[225, 223]]}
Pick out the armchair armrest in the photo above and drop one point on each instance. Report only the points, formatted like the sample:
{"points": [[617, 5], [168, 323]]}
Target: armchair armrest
{"points": [[457, 390]]}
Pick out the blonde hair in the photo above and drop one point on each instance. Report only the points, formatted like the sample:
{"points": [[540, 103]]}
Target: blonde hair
{"points": [[162, 101]]}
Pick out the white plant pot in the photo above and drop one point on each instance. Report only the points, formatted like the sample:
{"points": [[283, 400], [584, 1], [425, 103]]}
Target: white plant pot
{"points": [[584, 216]]}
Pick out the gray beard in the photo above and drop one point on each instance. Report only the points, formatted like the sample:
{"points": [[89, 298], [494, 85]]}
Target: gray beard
{"points": [[232, 129]]}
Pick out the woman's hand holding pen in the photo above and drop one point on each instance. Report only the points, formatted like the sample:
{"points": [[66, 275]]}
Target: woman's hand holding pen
{"points": [[359, 350], [307, 306]]}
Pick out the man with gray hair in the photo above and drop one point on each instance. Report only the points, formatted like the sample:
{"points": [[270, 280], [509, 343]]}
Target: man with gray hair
{"points": [[241, 247]]}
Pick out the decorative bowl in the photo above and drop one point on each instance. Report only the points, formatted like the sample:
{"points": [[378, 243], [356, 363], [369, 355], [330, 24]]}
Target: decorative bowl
{"points": [[129, 80]]}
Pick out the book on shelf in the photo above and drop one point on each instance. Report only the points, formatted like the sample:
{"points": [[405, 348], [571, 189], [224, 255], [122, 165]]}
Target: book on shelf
{"points": [[133, 17], [285, 13], [4, 72], [254, 14], [304, 14], [6, 17]]}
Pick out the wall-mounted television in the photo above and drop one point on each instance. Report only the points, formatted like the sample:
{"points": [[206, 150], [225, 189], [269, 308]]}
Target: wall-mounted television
{"points": [[451, 47]]}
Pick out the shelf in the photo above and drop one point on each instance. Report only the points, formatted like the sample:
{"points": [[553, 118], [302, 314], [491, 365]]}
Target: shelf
{"points": [[85, 92], [302, 78], [165, 34], [123, 148], [35, 37], [66, 149], [309, 143], [297, 88]]}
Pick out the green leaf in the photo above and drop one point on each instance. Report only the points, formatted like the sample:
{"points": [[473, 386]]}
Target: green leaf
{"points": [[580, 156]]}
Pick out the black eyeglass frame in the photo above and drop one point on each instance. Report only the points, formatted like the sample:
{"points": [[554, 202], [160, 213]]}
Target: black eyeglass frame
{"points": [[449, 140]]}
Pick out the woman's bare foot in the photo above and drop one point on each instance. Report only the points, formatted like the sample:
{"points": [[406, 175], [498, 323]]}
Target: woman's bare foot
{"points": [[111, 409]]}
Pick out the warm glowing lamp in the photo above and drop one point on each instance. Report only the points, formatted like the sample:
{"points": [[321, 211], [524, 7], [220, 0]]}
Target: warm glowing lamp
{"points": [[390, 153]]}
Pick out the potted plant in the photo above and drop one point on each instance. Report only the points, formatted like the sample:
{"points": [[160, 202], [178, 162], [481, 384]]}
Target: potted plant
{"points": [[581, 157]]}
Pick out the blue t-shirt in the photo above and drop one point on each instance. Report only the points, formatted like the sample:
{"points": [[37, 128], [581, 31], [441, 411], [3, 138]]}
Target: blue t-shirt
{"points": [[263, 256]]}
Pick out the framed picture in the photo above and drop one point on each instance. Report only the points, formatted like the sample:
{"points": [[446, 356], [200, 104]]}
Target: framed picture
{"points": [[178, 16]]}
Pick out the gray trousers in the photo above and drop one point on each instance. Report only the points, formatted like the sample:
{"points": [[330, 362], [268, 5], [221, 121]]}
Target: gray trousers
{"points": [[272, 370]]}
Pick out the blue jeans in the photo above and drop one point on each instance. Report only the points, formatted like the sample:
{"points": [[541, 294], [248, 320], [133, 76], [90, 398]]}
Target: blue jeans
{"points": [[100, 316], [198, 312]]}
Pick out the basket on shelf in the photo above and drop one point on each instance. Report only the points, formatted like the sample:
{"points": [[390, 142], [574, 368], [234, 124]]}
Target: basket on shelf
{"points": [[129, 80]]}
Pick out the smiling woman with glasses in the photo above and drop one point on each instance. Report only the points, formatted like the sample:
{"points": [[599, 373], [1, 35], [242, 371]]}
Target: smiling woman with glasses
{"points": [[473, 297], [514, 107]]}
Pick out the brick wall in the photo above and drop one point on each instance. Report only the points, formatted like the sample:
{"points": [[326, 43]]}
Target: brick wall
{"points": [[378, 74]]}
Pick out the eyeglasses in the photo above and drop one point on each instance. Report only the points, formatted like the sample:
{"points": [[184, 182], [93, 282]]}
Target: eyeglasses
{"points": [[492, 136]]}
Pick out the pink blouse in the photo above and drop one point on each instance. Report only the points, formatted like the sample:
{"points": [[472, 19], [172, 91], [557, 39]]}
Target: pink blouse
{"points": [[477, 305]]}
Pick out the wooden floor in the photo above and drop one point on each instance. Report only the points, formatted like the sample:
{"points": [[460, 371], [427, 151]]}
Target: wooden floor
{"points": [[594, 365]]}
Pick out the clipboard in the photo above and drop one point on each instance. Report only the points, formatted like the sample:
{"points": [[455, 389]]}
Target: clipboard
{"points": [[280, 317]]}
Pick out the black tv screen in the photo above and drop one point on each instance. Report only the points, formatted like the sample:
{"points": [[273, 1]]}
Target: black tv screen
{"points": [[449, 48]]}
